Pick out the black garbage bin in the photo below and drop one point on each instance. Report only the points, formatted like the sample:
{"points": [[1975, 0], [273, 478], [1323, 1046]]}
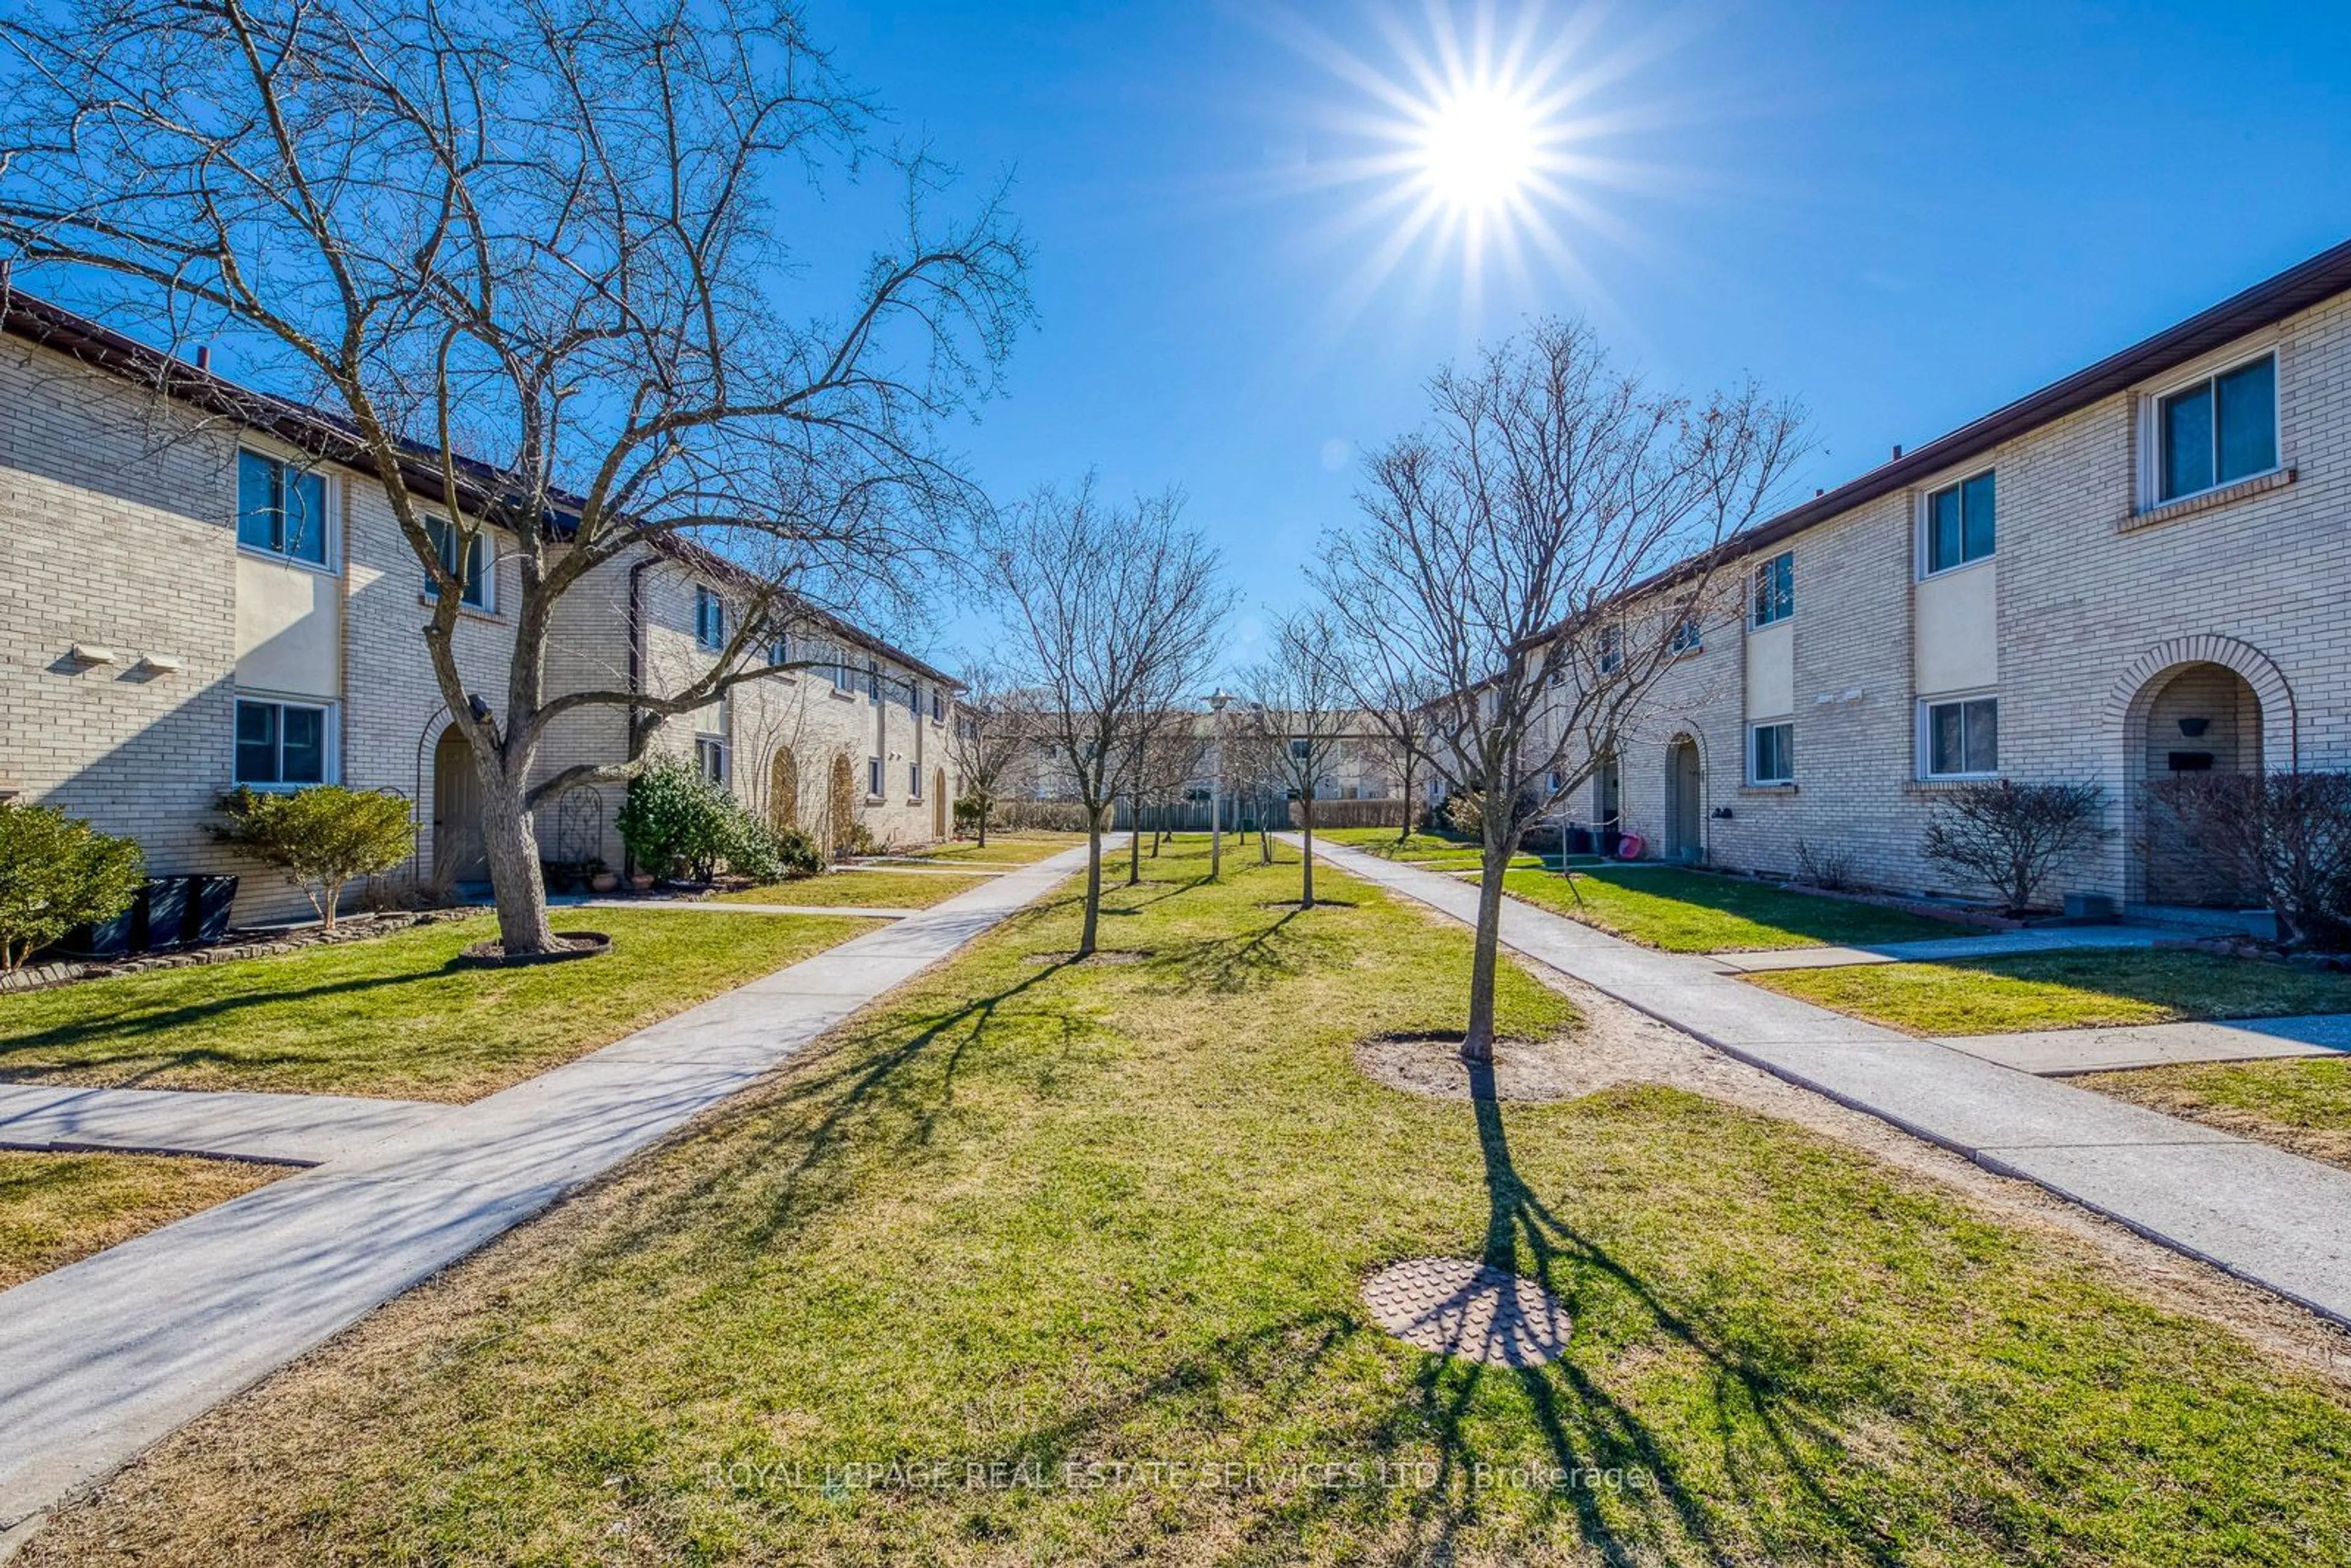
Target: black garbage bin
{"points": [[209, 901], [166, 927], [106, 939], [1609, 839], [1579, 840]]}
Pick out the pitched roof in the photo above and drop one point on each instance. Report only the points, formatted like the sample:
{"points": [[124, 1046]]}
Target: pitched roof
{"points": [[332, 437], [2266, 303]]}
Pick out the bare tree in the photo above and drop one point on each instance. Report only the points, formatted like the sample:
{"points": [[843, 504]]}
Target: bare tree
{"points": [[1298, 708], [1172, 761], [995, 726], [1505, 557], [2012, 837], [1399, 702], [1113, 613], [2283, 838], [527, 261]]}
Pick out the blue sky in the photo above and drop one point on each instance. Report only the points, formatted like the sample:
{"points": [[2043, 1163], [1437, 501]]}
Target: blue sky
{"points": [[1901, 216]]}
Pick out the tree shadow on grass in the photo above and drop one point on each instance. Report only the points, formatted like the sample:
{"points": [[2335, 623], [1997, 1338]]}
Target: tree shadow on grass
{"points": [[1586, 1429], [1244, 959]]}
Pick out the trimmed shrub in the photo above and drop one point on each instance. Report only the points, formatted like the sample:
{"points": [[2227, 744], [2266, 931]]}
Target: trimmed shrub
{"points": [[676, 822], [322, 838], [57, 872]]}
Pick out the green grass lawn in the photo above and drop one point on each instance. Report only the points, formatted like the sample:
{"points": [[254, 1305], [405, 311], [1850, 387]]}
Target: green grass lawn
{"points": [[859, 890], [390, 1017], [57, 1209], [2066, 990], [1697, 912], [1002, 848], [1075, 1221], [1432, 851]]}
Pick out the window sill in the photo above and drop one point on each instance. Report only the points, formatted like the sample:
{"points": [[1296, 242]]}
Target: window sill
{"points": [[1938, 573], [464, 612], [2206, 500], [1766, 788], [317, 567], [839, 695]]}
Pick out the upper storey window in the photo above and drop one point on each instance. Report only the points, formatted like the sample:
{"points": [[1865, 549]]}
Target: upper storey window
{"points": [[2218, 430], [1960, 523], [281, 509], [1775, 588]]}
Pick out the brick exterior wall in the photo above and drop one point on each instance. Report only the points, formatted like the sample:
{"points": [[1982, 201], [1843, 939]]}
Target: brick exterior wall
{"points": [[120, 513], [2098, 607]]}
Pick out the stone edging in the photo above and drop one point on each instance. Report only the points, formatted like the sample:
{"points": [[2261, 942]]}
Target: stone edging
{"points": [[353, 928]]}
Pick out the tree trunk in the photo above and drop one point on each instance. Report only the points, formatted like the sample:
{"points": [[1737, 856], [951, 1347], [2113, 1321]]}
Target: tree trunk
{"points": [[510, 843], [1477, 1040], [1093, 885], [1405, 831], [1135, 847], [1306, 869], [984, 804]]}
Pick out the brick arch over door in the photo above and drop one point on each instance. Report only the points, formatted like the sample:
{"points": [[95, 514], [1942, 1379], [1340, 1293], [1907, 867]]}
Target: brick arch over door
{"points": [[2143, 678]]}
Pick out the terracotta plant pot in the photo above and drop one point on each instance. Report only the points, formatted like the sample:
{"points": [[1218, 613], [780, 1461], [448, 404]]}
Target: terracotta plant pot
{"points": [[603, 882], [641, 881]]}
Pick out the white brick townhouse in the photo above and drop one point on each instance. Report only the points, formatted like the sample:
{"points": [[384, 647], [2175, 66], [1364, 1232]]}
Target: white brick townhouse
{"points": [[205, 591], [2140, 568]]}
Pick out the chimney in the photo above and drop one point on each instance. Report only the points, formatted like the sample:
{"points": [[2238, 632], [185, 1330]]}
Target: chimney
{"points": [[1897, 452], [204, 357], [1819, 490]]}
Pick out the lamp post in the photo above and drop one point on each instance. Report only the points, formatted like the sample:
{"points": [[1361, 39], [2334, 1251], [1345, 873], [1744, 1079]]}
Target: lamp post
{"points": [[1217, 701]]}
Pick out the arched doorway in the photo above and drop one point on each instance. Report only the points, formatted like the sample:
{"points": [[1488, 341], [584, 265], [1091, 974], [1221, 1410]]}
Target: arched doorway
{"points": [[457, 812], [939, 818], [2192, 718], [783, 790], [1685, 801], [841, 803]]}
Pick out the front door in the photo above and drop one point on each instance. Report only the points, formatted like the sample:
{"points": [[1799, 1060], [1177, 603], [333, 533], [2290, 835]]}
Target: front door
{"points": [[1683, 801], [457, 813]]}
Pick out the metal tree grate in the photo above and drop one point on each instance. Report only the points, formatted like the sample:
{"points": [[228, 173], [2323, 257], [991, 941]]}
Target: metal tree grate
{"points": [[1452, 1306]]}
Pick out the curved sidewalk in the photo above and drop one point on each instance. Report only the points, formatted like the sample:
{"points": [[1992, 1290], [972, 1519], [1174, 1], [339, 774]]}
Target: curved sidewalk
{"points": [[2277, 1220], [103, 1357]]}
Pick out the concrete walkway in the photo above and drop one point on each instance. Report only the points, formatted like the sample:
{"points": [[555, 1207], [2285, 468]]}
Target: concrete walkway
{"points": [[100, 1359], [2277, 1220], [285, 1129], [1938, 949], [2056, 1052]]}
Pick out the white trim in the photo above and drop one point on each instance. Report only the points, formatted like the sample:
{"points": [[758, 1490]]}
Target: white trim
{"points": [[2150, 429], [1923, 771], [1754, 778], [331, 766], [1923, 524], [330, 492]]}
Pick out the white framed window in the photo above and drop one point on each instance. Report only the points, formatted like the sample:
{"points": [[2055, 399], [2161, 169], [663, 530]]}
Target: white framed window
{"points": [[873, 688], [914, 780], [476, 571], [779, 649], [914, 698], [1612, 649], [873, 777], [1774, 593], [1958, 525], [1772, 753], [709, 619], [838, 671], [281, 509], [282, 743], [938, 705], [1689, 637], [2216, 430], [710, 758], [1959, 738]]}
